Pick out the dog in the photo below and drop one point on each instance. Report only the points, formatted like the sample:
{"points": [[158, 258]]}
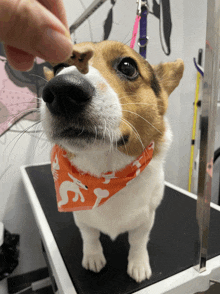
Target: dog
{"points": [[104, 109]]}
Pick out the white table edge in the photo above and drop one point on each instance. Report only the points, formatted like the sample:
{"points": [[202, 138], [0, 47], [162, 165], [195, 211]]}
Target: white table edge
{"points": [[60, 272]]}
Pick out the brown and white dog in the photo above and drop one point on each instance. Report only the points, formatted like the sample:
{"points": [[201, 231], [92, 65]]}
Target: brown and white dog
{"points": [[104, 106]]}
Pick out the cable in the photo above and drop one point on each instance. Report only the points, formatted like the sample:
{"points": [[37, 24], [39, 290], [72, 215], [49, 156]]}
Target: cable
{"points": [[37, 285], [24, 290]]}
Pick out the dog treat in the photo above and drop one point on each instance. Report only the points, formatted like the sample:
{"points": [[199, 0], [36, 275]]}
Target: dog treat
{"points": [[80, 57]]}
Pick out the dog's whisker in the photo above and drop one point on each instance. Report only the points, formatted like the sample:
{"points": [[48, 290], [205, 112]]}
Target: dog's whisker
{"points": [[104, 131], [131, 95], [34, 109], [45, 142], [24, 131], [39, 77], [143, 119], [81, 132], [124, 143], [18, 137], [128, 41], [96, 135], [21, 115], [113, 136], [34, 149], [14, 115], [30, 132], [135, 131], [142, 103], [8, 116], [38, 137], [116, 142], [116, 145], [129, 33], [113, 141], [110, 144], [137, 135], [110, 138]]}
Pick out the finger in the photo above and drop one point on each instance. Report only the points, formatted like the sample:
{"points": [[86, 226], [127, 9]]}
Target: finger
{"points": [[57, 8], [30, 27], [19, 59]]}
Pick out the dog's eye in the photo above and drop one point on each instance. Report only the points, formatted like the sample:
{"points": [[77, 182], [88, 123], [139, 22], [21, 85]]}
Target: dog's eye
{"points": [[57, 68], [128, 68]]}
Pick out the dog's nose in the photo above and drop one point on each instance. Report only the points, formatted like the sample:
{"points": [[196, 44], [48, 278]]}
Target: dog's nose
{"points": [[67, 94]]}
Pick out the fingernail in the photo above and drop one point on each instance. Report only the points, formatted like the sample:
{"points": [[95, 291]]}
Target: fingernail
{"points": [[55, 47], [67, 34], [30, 69]]}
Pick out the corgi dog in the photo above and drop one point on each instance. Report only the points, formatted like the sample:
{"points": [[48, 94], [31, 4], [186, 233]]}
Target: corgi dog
{"points": [[104, 110]]}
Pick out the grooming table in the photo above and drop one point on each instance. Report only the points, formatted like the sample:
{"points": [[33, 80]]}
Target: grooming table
{"points": [[171, 247]]}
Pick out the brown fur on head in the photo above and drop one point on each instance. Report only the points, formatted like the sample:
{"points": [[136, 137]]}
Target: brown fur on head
{"points": [[144, 100]]}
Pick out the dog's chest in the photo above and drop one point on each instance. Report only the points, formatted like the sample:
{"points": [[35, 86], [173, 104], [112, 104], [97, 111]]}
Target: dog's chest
{"points": [[128, 207]]}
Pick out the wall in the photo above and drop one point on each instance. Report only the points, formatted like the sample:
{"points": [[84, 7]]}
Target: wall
{"points": [[20, 149], [188, 35]]}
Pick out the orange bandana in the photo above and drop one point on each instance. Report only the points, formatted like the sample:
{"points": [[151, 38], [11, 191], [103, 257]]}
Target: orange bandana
{"points": [[81, 191]]}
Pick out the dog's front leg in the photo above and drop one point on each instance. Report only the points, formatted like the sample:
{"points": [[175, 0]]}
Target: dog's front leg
{"points": [[93, 257], [138, 259]]}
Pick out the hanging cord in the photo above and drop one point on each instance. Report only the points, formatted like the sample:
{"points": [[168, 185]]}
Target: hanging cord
{"points": [[142, 11], [162, 11], [197, 103], [108, 22], [135, 29], [165, 24], [143, 39], [136, 24]]}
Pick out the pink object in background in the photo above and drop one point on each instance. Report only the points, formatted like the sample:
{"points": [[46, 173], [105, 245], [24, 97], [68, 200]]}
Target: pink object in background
{"points": [[15, 101], [135, 29]]}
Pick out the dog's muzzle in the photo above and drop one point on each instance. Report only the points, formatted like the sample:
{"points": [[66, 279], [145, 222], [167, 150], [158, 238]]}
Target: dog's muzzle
{"points": [[67, 94]]}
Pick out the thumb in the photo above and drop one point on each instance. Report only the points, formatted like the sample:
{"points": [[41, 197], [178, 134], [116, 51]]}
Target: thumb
{"points": [[30, 27]]}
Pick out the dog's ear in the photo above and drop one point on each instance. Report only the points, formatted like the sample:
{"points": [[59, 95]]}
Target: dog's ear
{"points": [[48, 73], [169, 74]]}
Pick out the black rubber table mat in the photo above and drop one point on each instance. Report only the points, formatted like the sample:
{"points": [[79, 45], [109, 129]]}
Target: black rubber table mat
{"points": [[171, 246]]}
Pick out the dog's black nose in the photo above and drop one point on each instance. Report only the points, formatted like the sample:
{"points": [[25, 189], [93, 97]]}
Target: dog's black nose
{"points": [[67, 94]]}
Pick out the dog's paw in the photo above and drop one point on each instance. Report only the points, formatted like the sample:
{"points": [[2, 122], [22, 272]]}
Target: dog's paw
{"points": [[94, 262], [139, 269]]}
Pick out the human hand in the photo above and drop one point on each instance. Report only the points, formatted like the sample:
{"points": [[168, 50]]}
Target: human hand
{"points": [[30, 28]]}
